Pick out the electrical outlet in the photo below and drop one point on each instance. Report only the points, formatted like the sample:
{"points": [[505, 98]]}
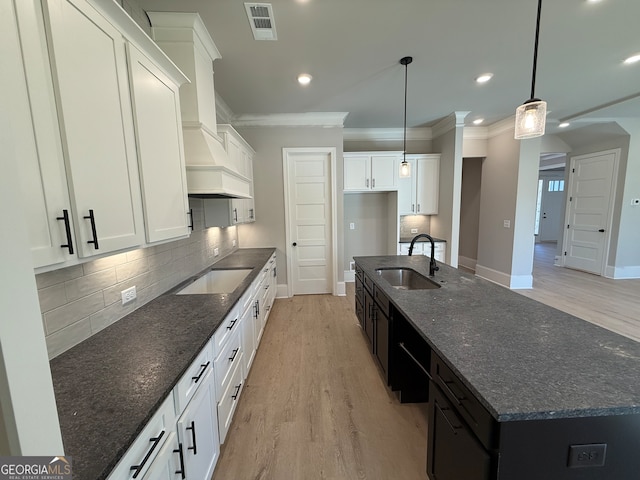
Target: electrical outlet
{"points": [[352, 266], [507, 224], [352, 226], [128, 295], [216, 252], [591, 455], [233, 242], [414, 230]]}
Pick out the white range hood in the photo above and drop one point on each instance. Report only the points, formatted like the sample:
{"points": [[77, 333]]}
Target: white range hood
{"points": [[186, 41]]}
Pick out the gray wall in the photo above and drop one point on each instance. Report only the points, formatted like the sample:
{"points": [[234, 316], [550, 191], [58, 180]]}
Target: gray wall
{"points": [[269, 228], [413, 146], [77, 302], [470, 207], [371, 215]]}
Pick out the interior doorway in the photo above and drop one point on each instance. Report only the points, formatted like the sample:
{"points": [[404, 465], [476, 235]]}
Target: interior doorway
{"points": [[550, 205]]}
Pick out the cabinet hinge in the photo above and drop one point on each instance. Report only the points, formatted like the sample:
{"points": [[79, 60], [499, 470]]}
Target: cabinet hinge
{"points": [[565, 253], [571, 199], [573, 170], [567, 226]]}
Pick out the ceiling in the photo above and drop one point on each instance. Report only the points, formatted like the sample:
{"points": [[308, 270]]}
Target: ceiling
{"points": [[352, 49]]}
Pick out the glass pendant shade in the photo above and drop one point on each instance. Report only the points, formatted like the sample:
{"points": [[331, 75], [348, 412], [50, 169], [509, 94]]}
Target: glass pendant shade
{"points": [[405, 169], [531, 118]]}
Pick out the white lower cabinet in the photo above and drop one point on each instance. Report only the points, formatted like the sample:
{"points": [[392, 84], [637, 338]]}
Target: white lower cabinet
{"points": [[198, 432], [169, 462], [229, 401], [248, 340], [145, 449], [424, 248]]}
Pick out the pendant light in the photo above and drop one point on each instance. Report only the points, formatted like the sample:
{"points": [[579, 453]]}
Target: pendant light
{"points": [[532, 114], [405, 167]]}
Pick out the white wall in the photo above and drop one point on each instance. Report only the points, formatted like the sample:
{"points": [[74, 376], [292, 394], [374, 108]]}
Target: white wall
{"points": [[269, 228]]}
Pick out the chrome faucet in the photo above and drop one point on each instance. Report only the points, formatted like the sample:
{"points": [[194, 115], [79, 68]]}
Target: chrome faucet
{"points": [[433, 266]]}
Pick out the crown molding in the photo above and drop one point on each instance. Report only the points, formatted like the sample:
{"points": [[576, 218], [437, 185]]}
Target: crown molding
{"points": [[386, 134], [475, 133], [311, 119], [455, 119], [498, 128]]}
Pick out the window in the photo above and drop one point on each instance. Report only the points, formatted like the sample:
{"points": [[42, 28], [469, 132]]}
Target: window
{"points": [[556, 186]]}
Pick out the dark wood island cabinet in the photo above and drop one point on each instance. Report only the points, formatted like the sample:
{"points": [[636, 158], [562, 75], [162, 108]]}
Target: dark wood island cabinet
{"points": [[517, 390]]}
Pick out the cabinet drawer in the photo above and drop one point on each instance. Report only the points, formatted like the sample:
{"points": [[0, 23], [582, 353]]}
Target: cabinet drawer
{"points": [[359, 291], [145, 448], [191, 380], [382, 300], [227, 328], [359, 273], [227, 404], [226, 361], [368, 283], [464, 402]]}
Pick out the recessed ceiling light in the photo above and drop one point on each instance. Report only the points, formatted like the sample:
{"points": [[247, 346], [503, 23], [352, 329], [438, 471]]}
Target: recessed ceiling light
{"points": [[594, 1], [564, 125], [632, 59], [484, 78], [304, 79], [478, 121]]}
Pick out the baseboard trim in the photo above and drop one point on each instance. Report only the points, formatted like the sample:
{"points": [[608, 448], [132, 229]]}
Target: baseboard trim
{"points": [[514, 282], [620, 273], [349, 276], [467, 262], [282, 291]]}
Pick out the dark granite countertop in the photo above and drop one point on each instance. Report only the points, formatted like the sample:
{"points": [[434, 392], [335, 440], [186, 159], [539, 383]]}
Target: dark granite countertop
{"points": [[421, 239], [523, 360], [109, 386]]}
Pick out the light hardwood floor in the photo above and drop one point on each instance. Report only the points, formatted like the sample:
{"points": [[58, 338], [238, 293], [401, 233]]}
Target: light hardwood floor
{"points": [[612, 304], [315, 406]]}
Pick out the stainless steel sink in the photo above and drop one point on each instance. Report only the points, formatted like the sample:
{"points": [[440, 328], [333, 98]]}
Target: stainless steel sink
{"points": [[216, 281], [406, 279]]}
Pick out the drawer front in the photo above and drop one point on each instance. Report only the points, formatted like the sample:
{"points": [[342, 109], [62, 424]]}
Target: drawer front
{"points": [[359, 290], [368, 283], [149, 442], [464, 402], [191, 380], [228, 402], [226, 329], [226, 362], [382, 300], [359, 273]]}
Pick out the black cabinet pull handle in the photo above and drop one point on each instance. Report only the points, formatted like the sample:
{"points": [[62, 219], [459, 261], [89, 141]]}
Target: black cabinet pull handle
{"points": [[181, 471], [67, 228], [204, 369], [231, 324], [193, 437], [92, 219], [235, 395], [190, 213], [444, 415], [155, 441], [233, 356]]}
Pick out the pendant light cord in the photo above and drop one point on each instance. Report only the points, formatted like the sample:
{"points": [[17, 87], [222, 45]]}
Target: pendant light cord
{"points": [[404, 136], [535, 54]]}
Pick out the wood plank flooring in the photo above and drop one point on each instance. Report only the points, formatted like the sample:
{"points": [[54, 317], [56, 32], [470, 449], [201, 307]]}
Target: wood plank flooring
{"points": [[316, 407], [612, 304]]}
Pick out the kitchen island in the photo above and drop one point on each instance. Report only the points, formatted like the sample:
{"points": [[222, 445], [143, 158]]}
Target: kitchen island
{"points": [[543, 394], [109, 386]]}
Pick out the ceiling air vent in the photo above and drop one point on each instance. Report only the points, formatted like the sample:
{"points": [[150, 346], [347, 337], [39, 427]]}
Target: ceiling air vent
{"points": [[261, 20]]}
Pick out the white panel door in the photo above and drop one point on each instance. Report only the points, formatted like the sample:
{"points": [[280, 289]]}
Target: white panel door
{"points": [[90, 65], [309, 212], [588, 211], [160, 152], [551, 206]]}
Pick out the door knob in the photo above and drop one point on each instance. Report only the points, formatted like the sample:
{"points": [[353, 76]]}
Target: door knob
{"points": [[294, 244], [601, 230]]}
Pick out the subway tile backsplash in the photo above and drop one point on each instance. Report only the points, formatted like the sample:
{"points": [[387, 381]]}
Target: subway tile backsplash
{"points": [[79, 301]]}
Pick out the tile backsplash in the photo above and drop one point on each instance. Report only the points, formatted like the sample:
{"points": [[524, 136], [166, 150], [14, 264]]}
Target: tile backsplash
{"points": [[420, 222], [79, 301]]}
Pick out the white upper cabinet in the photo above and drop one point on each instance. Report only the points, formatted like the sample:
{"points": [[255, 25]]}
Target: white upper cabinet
{"points": [[32, 111], [418, 194], [94, 109], [370, 171], [156, 108]]}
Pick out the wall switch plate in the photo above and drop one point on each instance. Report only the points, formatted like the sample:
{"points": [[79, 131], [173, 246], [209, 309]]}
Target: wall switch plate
{"points": [[352, 226], [233, 242], [414, 230], [591, 455], [216, 252], [507, 224], [128, 295]]}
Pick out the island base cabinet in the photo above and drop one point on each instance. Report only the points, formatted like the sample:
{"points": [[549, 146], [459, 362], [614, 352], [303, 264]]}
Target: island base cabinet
{"points": [[453, 451], [198, 432]]}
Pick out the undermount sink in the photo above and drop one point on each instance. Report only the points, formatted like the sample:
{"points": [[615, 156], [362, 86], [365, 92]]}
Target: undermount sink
{"points": [[406, 279], [216, 281]]}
